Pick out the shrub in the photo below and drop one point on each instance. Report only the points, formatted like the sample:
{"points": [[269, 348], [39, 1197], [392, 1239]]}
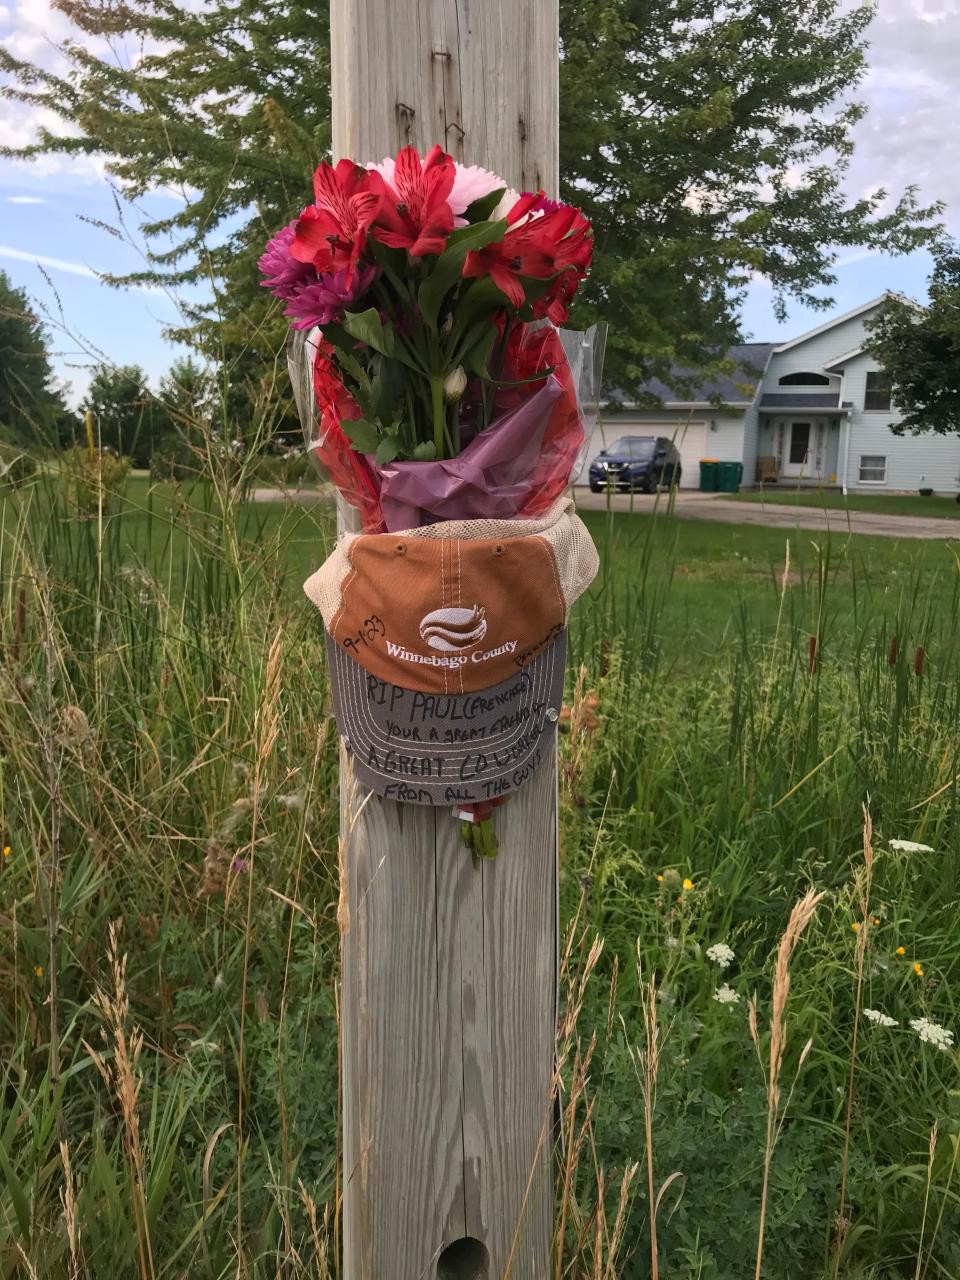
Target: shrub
{"points": [[94, 478], [286, 470], [173, 459]]}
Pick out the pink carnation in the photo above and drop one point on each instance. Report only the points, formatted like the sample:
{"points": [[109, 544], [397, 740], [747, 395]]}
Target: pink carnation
{"points": [[284, 275], [321, 300]]}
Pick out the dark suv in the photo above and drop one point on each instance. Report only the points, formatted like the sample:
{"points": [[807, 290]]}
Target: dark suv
{"points": [[636, 462]]}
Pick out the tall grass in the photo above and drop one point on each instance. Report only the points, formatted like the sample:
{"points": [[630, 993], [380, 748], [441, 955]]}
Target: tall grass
{"points": [[168, 1016]]}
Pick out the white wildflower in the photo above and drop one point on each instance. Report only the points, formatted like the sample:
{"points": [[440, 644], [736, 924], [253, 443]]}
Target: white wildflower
{"points": [[909, 846], [726, 995], [932, 1033], [671, 941], [881, 1019], [720, 954]]}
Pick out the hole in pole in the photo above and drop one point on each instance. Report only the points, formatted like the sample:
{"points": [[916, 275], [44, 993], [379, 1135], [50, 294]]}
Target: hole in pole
{"points": [[465, 1259]]}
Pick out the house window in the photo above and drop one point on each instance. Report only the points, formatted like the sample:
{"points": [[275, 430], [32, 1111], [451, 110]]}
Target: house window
{"points": [[804, 380], [873, 468], [877, 394]]}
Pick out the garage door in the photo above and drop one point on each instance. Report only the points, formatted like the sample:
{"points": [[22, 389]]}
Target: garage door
{"points": [[688, 437]]}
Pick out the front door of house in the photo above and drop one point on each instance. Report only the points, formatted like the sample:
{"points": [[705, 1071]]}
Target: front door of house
{"points": [[798, 453]]}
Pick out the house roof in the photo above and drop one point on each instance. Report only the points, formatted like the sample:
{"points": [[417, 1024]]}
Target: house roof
{"points": [[750, 361], [847, 315], [845, 358], [818, 402], [800, 400]]}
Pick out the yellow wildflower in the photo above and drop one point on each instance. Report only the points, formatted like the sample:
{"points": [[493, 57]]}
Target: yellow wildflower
{"points": [[38, 970], [875, 920], [901, 951], [6, 851], [854, 926], [660, 879], [688, 883], [918, 970]]}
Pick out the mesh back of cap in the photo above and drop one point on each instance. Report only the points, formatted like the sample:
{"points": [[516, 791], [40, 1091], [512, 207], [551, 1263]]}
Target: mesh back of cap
{"points": [[573, 551]]}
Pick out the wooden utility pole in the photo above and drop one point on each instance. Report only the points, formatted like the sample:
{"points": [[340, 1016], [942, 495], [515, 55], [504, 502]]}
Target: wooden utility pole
{"points": [[449, 963]]}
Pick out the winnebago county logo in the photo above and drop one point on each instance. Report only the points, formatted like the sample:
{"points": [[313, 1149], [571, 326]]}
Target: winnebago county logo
{"points": [[454, 630]]}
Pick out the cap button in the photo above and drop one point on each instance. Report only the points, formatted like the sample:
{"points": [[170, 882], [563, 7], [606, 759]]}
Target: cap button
{"points": [[552, 714], [498, 549], [401, 549]]}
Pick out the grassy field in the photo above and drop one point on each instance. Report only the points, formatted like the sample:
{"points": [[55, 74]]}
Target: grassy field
{"points": [[169, 884], [937, 506]]}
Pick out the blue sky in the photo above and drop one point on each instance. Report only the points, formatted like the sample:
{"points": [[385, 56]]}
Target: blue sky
{"points": [[49, 209]]}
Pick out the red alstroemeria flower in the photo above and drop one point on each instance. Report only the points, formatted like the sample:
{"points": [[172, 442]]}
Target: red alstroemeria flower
{"points": [[523, 251], [542, 239], [331, 234], [415, 213]]}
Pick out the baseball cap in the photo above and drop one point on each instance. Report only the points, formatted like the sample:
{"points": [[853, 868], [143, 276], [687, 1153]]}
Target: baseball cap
{"points": [[447, 646]]}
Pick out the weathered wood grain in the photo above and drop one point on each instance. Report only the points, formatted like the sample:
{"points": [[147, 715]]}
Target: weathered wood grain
{"points": [[449, 965]]}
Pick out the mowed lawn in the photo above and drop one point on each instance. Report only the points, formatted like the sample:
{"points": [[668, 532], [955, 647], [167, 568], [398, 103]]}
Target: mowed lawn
{"points": [[937, 506]]}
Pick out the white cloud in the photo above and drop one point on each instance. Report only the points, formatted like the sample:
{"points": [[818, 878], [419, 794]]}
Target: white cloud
{"points": [[908, 136], [42, 260], [25, 200]]}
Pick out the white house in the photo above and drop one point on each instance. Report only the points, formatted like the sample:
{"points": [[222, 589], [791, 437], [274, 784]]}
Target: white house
{"points": [[814, 411]]}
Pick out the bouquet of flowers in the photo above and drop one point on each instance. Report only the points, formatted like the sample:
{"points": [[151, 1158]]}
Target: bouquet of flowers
{"points": [[440, 396], [424, 295]]}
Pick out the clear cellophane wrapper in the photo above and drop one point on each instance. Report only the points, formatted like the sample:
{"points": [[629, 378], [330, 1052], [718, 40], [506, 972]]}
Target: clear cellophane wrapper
{"points": [[515, 467]]}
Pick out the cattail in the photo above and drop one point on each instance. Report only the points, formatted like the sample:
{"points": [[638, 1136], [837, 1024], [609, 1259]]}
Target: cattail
{"points": [[918, 661], [812, 655], [892, 652]]}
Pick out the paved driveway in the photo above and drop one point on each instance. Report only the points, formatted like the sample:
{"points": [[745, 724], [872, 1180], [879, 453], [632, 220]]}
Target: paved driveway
{"points": [[692, 505]]}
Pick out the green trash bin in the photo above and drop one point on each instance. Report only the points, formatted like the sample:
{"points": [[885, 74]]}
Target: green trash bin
{"points": [[729, 476], [709, 475]]}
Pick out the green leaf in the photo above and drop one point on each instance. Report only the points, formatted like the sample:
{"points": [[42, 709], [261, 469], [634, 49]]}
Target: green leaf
{"points": [[482, 208], [449, 266], [477, 355], [367, 327], [387, 449], [363, 435], [425, 451], [479, 302], [21, 1203], [346, 357]]}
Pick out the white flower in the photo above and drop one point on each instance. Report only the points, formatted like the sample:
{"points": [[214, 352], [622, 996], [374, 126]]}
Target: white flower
{"points": [[507, 201], [455, 383], [932, 1033], [881, 1019], [726, 995], [909, 846], [671, 941], [720, 954]]}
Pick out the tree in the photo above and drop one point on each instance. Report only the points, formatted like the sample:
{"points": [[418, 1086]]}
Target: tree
{"points": [[187, 397], [920, 351], [705, 140], [30, 405], [124, 411]]}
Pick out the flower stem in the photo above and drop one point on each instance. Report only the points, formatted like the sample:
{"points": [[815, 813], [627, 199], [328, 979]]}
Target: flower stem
{"points": [[436, 400]]}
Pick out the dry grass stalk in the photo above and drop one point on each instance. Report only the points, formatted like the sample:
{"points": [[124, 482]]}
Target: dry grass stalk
{"points": [[931, 1157], [863, 887], [68, 1198], [320, 1248], [123, 1078], [646, 1063], [800, 917], [266, 728]]}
